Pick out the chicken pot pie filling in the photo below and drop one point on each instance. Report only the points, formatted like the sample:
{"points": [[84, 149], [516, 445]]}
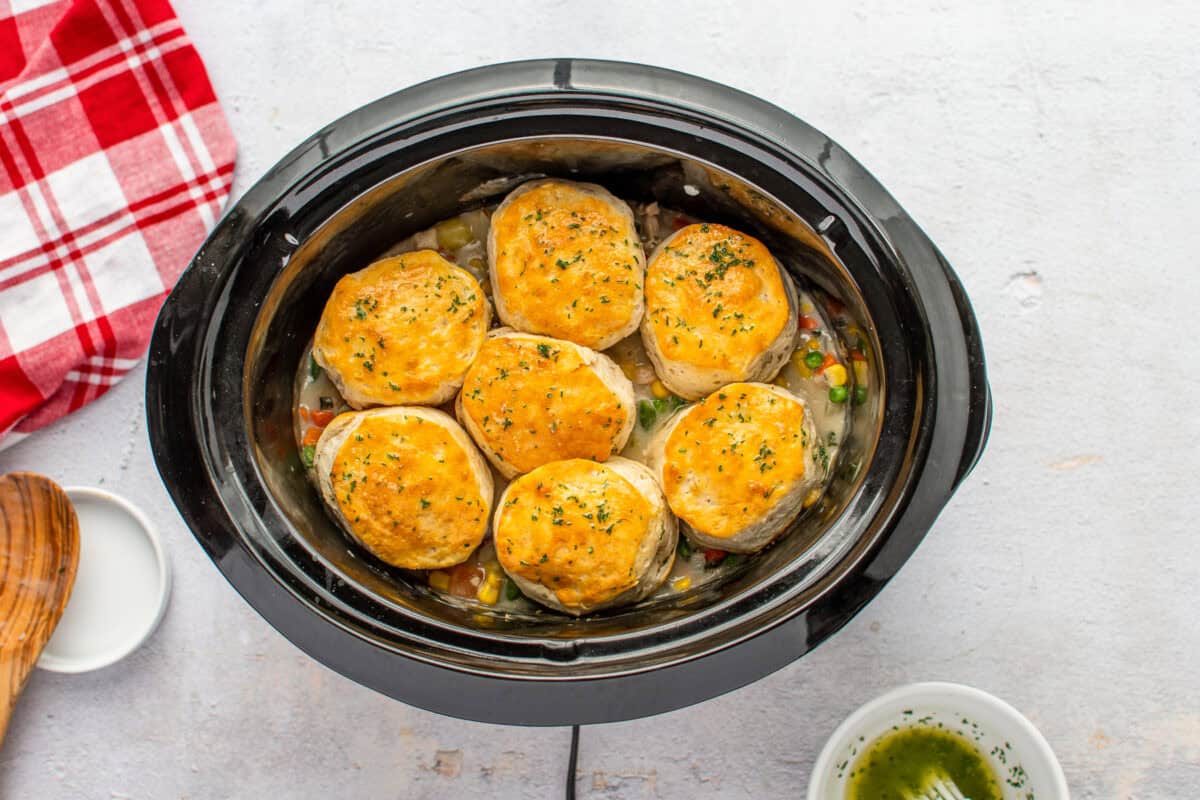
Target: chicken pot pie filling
{"points": [[828, 370]]}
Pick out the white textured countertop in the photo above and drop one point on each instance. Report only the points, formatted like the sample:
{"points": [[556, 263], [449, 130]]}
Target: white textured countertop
{"points": [[1053, 153]]}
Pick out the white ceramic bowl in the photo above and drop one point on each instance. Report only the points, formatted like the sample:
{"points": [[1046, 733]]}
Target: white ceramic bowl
{"points": [[1016, 751], [120, 590]]}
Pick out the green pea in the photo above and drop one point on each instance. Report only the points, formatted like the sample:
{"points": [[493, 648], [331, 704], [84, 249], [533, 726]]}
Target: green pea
{"points": [[838, 394], [647, 413], [511, 592], [308, 454], [813, 359], [668, 404], [453, 234], [685, 548], [860, 395], [314, 369]]}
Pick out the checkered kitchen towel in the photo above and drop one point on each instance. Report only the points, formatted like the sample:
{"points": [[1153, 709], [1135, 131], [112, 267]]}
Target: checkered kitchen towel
{"points": [[115, 160]]}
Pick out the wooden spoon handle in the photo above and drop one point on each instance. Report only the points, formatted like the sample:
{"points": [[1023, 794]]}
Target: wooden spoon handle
{"points": [[39, 553]]}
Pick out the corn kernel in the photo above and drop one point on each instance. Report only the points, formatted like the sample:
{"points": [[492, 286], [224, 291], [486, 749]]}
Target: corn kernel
{"points": [[812, 497], [813, 344], [806, 307], [659, 390], [682, 584], [781, 380], [439, 580], [801, 367], [836, 375], [629, 369], [489, 590], [860, 373]]}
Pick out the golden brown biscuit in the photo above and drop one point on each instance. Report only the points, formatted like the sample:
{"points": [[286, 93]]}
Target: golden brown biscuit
{"points": [[719, 309], [528, 400], [407, 483], [579, 536], [737, 466], [403, 330], [565, 261]]}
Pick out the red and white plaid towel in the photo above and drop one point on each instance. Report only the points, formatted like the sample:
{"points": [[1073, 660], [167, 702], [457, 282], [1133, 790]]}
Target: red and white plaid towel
{"points": [[115, 161]]}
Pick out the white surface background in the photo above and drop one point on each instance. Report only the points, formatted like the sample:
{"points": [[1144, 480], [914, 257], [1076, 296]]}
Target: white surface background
{"points": [[1050, 150]]}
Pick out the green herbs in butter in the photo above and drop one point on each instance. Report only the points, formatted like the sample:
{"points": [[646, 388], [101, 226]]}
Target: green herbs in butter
{"points": [[903, 763]]}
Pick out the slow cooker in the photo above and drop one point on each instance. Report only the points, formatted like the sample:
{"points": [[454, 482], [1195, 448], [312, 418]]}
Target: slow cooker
{"points": [[230, 336]]}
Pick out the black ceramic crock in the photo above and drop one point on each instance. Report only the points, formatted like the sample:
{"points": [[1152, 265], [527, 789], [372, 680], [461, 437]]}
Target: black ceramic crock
{"points": [[230, 338]]}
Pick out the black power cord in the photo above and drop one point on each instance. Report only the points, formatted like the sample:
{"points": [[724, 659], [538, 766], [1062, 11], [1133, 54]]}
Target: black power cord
{"points": [[572, 759]]}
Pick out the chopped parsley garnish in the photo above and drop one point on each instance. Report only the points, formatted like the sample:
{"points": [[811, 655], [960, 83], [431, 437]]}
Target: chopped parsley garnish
{"points": [[764, 453], [722, 257], [364, 306]]}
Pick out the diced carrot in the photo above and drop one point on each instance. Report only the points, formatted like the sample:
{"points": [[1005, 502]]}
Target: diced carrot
{"points": [[828, 362], [808, 323], [322, 418], [857, 355], [714, 556], [304, 413], [311, 436]]}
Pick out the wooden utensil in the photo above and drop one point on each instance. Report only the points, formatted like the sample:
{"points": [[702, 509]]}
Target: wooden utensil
{"points": [[39, 553]]}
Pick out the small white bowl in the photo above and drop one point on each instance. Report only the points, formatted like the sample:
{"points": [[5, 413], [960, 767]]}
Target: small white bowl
{"points": [[1016, 751], [121, 588]]}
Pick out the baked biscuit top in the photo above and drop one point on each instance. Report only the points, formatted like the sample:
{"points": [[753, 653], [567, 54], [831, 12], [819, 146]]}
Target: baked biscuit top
{"points": [[567, 262]]}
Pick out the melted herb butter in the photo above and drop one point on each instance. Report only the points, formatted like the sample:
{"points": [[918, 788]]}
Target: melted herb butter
{"points": [[903, 763]]}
